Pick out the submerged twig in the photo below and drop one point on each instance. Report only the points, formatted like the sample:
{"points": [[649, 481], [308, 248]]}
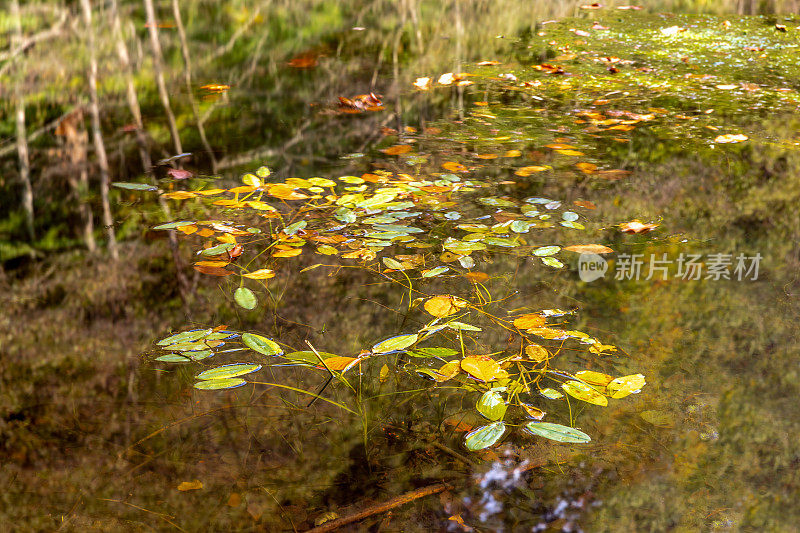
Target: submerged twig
{"points": [[381, 508]]}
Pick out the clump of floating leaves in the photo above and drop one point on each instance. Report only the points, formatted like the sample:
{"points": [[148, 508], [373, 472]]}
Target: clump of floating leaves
{"points": [[407, 229]]}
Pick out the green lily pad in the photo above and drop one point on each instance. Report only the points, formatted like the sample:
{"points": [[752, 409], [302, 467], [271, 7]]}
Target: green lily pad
{"points": [[393, 344], [484, 436], [491, 405], [557, 432], [245, 298], [229, 371], [219, 384], [261, 344]]}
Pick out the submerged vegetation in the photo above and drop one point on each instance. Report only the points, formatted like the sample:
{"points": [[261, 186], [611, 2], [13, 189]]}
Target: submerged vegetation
{"points": [[408, 316]]}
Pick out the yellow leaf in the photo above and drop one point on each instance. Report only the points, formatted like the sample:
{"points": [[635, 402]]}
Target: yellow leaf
{"points": [[444, 305], [626, 385], [261, 206], [548, 333], [730, 138], [484, 368], [288, 253], [187, 230], [584, 392], [447, 371], [212, 263], [179, 195], [527, 171], [537, 353], [559, 146], [327, 250], [261, 273], [531, 320], [570, 152], [242, 189], [190, 485], [512, 153], [205, 232], [384, 373], [594, 378], [586, 168]]}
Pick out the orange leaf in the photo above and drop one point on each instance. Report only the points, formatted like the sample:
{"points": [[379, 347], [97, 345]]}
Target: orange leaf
{"points": [[635, 226], [586, 168], [444, 305], [288, 253], [476, 277], [531, 320], [452, 166], [589, 249], [527, 171], [213, 271], [397, 149], [338, 362]]}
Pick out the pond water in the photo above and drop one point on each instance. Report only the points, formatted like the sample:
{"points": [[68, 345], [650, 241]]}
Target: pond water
{"points": [[531, 276]]}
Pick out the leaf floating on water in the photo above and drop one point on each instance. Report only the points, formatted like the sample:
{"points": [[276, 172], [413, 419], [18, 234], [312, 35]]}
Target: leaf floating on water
{"points": [[261, 273], [185, 336], [550, 393], [392, 344], [339, 363], [452, 166], [594, 378], [537, 353], [491, 405], [636, 227], [477, 277], [261, 344], [397, 149], [190, 485], [532, 412], [527, 171], [393, 263], [134, 186], [625, 386], [483, 368], [484, 436], [531, 320], [172, 358], [228, 371], [584, 392], [434, 272], [544, 251], [245, 298], [444, 305], [730, 138], [173, 225], [552, 262], [557, 432], [219, 384], [589, 249]]}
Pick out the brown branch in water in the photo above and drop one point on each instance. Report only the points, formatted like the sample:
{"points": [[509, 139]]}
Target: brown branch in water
{"points": [[403, 499]]}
